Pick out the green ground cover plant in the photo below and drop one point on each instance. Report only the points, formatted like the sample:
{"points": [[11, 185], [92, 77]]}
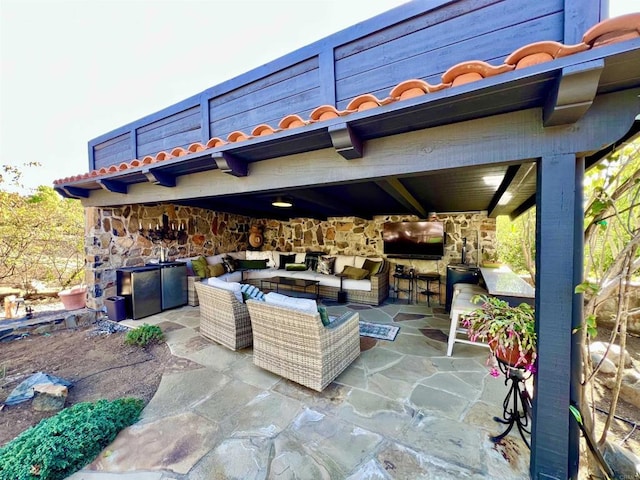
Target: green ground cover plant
{"points": [[144, 335], [61, 445]]}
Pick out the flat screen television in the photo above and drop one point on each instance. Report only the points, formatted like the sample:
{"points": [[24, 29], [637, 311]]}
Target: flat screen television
{"points": [[414, 239]]}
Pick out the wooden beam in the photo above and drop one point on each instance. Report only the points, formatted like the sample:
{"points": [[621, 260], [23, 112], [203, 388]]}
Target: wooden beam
{"points": [[158, 177], [62, 192], [573, 94], [346, 142], [230, 164], [523, 207], [397, 190], [328, 204], [551, 446], [113, 186], [503, 187]]}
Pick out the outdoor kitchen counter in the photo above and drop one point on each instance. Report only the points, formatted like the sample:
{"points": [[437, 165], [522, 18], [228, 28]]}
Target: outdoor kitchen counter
{"points": [[503, 283]]}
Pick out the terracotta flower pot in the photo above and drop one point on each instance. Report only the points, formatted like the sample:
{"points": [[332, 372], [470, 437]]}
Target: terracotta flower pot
{"points": [[73, 298], [510, 356]]}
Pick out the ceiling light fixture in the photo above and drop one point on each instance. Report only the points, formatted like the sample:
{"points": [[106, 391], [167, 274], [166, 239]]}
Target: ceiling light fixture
{"points": [[282, 202]]}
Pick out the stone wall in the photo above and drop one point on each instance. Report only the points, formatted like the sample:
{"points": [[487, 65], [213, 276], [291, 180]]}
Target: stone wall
{"points": [[114, 240], [355, 236]]}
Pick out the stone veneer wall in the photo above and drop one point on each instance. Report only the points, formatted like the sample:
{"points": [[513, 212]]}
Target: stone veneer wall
{"points": [[113, 239], [356, 236]]}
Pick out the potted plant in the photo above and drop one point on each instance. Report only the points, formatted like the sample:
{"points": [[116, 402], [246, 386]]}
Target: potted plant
{"points": [[491, 260], [509, 331]]}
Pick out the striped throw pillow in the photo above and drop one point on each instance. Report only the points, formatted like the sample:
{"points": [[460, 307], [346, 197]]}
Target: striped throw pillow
{"points": [[251, 292]]}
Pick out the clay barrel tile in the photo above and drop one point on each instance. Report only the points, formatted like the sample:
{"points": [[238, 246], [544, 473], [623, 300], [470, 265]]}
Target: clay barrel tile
{"points": [[86, 175], [363, 102], [103, 171], [196, 147], [215, 142], [162, 156], [237, 136], [178, 152], [135, 163], [540, 52], [471, 71], [148, 160], [123, 166], [325, 112], [262, 130], [112, 169], [94, 173], [291, 121], [613, 30]]}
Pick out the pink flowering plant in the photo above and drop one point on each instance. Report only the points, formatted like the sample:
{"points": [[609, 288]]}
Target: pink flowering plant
{"points": [[505, 328]]}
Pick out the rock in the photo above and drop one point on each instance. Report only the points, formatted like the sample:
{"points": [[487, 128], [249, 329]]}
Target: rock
{"points": [[623, 462], [48, 397], [607, 367], [613, 355]]}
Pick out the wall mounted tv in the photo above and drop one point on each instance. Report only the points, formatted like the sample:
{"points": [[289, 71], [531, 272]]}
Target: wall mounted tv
{"points": [[414, 239]]}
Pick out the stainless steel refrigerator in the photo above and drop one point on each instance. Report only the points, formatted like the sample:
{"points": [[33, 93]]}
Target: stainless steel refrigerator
{"points": [[174, 284], [141, 289]]}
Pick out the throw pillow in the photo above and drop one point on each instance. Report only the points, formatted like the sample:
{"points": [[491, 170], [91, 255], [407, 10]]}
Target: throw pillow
{"points": [[229, 264], [325, 265], [295, 267], [355, 273], [200, 266], [311, 259], [284, 259], [324, 316], [251, 292], [215, 270], [252, 264], [372, 266]]}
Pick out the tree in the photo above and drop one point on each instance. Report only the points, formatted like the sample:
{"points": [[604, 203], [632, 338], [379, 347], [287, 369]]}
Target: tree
{"points": [[41, 235]]}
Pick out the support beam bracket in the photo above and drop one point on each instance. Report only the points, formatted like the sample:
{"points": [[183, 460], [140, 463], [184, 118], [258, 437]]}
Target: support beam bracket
{"points": [[346, 142], [231, 164], [158, 177], [113, 186], [573, 94], [76, 192]]}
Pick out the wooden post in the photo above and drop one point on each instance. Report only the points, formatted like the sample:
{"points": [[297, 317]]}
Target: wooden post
{"points": [[552, 447]]}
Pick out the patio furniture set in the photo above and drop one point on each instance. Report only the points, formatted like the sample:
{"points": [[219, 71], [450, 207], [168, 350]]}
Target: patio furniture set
{"points": [[289, 337]]}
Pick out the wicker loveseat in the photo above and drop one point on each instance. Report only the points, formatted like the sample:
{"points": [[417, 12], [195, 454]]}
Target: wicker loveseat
{"points": [[296, 345], [223, 317]]}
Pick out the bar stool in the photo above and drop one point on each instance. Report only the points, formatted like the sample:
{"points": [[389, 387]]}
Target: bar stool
{"points": [[461, 304]]}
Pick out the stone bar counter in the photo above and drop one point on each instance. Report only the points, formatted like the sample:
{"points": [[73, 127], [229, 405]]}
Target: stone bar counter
{"points": [[506, 285]]}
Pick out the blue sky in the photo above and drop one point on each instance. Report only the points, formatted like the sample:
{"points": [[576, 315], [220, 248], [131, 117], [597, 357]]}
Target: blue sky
{"points": [[74, 70]]}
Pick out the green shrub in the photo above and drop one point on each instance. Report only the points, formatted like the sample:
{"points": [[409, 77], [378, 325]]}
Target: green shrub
{"points": [[61, 445], [144, 335]]}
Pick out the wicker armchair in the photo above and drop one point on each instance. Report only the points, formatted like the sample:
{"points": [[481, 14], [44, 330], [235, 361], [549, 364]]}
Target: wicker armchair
{"points": [[295, 345], [223, 318]]}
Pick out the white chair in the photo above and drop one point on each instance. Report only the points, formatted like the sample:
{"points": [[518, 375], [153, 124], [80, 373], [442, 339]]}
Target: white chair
{"points": [[460, 304]]}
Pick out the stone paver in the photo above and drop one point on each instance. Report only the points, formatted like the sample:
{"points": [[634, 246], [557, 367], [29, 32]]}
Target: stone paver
{"points": [[402, 410]]}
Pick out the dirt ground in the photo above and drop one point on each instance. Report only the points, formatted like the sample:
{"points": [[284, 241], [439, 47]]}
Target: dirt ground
{"points": [[104, 367], [98, 366]]}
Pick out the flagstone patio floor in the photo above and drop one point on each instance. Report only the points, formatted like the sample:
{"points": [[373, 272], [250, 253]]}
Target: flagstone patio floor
{"points": [[402, 410]]}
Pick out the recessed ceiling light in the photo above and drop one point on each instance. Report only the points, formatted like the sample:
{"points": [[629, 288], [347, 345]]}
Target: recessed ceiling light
{"points": [[282, 202]]}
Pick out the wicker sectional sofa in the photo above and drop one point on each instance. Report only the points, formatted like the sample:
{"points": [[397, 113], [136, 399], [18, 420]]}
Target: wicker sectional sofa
{"points": [[371, 291]]}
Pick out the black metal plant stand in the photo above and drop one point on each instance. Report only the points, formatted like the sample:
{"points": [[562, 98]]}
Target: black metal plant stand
{"points": [[517, 404]]}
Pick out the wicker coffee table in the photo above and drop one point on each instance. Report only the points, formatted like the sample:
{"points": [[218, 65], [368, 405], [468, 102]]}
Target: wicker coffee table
{"points": [[295, 285]]}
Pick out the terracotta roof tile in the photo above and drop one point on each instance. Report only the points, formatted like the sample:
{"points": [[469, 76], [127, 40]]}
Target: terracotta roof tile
{"points": [[215, 142], [326, 112], [466, 72], [262, 130], [613, 30], [196, 147], [292, 121], [606, 32], [238, 136], [178, 152], [541, 52]]}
